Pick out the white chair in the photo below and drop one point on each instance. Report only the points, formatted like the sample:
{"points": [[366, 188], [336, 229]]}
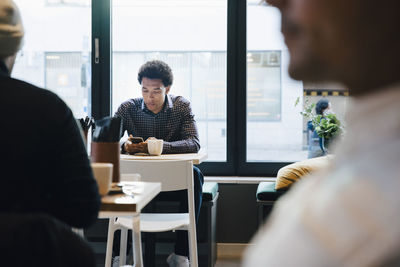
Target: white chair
{"points": [[112, 227], [173, 175]]}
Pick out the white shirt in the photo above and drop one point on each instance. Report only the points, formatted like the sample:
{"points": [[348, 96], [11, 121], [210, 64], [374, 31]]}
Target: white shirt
{"points": [[349, 213]]}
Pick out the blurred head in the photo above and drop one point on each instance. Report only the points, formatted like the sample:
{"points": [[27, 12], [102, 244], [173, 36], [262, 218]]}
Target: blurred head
{"points": [[156, 79], [354, 42], [11, 32], [322, 105]]}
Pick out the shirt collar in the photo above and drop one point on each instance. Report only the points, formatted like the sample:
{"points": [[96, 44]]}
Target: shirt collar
{"points": [[167, 104]]}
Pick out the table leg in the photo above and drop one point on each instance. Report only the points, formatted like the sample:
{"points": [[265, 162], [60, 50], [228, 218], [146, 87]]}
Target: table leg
{"points": [[137, 242]]}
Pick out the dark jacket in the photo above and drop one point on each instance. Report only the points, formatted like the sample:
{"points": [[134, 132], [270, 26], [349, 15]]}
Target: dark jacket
{"points": [[39, 240], [44, 164]]}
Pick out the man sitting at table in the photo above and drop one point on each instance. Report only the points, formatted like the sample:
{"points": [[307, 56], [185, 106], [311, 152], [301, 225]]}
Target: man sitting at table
{"points": [[44, 163], [168, 117]]}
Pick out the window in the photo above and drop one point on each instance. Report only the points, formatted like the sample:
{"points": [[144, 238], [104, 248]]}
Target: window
{"points": [[56, 51], [228, 58], [190, 36]]}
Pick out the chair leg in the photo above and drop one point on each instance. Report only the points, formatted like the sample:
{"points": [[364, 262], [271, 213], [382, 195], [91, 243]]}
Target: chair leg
{"points": [[122, 246], [150, 249], [137, 242], [110, 240], [192, 247]]}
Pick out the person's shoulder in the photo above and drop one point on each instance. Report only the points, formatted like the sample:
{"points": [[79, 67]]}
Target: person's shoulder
{"points": [[132, 103], [129, 106], [179, 101], [28, 88], [33, 93]]}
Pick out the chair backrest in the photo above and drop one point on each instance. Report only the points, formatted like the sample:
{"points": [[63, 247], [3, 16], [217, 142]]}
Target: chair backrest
{"points": [[173, 174]]}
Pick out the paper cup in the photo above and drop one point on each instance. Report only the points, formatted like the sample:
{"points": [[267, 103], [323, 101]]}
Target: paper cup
{"points": [[103, 174], [108, 153]]}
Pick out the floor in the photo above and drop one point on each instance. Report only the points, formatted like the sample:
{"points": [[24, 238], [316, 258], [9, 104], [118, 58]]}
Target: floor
{"points": [[225, 262], [99, 246], [228, 263], [160, 262]]}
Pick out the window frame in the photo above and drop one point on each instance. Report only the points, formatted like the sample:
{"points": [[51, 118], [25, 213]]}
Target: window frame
{"points": [[235, 164]]}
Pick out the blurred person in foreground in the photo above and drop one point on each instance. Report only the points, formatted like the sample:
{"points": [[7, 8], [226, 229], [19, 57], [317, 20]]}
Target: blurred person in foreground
{"points": [[44, 163], [164, 116], [347, 214]]}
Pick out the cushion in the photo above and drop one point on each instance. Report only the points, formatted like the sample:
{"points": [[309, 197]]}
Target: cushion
{"points": [[266, 192], [295, 171], [210, 190]]}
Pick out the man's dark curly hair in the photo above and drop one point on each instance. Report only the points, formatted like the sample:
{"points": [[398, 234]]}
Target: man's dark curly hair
{"points": [[156, 69]]}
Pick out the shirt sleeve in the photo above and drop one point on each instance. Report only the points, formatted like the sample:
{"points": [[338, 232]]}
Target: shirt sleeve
{"points": [[189, 142], [122, 113]]}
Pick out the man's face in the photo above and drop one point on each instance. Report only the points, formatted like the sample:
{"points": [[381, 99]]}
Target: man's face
{"points": [[154, 92], [332, 39]]}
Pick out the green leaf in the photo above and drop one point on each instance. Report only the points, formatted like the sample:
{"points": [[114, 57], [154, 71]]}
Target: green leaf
{"points": [[297, 101]]}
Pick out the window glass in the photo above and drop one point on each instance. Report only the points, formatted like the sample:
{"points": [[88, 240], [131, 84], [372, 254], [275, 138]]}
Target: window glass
{"points": [[264, 86], [274, 125], [276, 131], [56, 51], [190, 36]]}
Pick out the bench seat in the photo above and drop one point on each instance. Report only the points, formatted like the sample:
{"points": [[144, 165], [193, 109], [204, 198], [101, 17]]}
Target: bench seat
{"points": [[266, 196]]}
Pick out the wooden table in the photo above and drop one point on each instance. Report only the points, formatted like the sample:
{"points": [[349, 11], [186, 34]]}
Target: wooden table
{"points": [[196, 158], [115, 205], [123, 204]]}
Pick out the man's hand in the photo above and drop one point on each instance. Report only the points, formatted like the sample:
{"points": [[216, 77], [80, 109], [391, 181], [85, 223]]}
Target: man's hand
{"points": [[135, 148]]}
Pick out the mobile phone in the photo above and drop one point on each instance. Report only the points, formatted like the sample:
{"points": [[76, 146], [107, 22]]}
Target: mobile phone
{"points": [[136, 140]]}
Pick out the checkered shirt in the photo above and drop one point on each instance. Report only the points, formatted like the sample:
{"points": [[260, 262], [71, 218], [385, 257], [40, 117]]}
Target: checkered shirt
{"points": [[174, 124]]}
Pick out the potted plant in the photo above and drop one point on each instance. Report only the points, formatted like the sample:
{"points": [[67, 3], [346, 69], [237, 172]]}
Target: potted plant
{"points": [[327, 126]]}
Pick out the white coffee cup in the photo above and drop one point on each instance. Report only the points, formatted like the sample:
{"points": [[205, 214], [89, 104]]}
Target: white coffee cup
{"points": [[103, 174], [155, 146]]}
